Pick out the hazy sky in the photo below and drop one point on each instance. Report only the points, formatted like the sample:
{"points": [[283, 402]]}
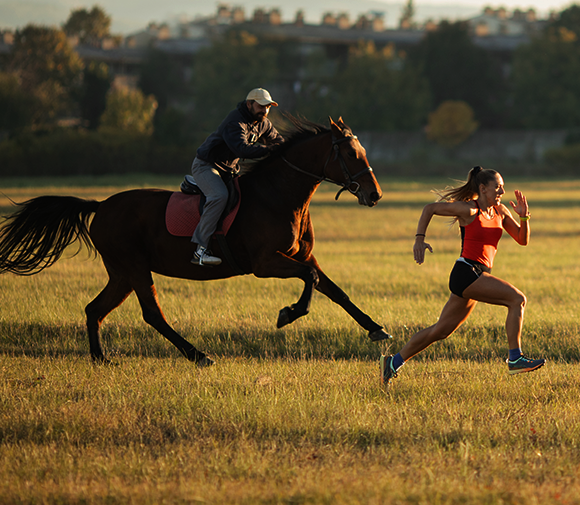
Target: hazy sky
{"points": [[132, 15]]}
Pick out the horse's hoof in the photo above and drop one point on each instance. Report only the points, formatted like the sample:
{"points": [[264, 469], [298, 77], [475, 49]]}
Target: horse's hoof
{"points": [[378, 335], [205, 362], [284, 317]]}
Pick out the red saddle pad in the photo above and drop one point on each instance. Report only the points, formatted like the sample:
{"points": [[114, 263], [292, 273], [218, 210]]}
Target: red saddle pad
{"points": [[182, 214]]}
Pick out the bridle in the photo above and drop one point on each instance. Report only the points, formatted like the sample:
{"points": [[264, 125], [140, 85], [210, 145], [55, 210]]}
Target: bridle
{"points": [[351, 179]]}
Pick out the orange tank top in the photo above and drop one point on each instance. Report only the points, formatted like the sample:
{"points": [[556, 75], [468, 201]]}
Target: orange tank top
{"points": [[479, 239]]}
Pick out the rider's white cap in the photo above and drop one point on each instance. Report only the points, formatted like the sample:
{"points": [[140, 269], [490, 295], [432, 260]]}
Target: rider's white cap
{"points": [[261, 96]]}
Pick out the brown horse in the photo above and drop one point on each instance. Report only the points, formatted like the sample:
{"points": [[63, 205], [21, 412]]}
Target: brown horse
{"points": [[271, 236]]}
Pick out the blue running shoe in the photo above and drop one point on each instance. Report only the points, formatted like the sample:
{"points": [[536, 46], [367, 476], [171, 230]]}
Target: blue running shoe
{"points": [[387, 370], [523, 364]]}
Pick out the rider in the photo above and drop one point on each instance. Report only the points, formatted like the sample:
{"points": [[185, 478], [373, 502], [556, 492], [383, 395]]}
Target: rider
{"points": [[246, 132]]}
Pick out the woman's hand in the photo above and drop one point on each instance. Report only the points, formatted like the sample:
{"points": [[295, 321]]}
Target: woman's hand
{"points": [[521, 208], [519, 231], [419, 250]]}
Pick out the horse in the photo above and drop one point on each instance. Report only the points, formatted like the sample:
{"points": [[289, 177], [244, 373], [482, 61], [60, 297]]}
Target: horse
{"points": [[271, 236]]}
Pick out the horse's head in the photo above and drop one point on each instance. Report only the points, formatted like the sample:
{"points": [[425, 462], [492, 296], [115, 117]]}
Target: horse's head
{"points": [[347, 165]]}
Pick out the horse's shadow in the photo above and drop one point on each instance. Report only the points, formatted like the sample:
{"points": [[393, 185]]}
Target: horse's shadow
{"points": [[41, 340]]}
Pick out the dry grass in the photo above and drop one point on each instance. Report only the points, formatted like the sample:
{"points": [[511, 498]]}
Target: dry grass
{"points": [[297, 415], [281, 431]]}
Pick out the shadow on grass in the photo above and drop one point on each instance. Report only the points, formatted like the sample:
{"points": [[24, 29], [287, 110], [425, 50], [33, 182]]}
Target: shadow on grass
{"points": [[476, 343]]}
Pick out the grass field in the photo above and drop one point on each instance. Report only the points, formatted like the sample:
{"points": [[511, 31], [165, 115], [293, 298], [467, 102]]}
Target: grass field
{"points": [[297, 415]]}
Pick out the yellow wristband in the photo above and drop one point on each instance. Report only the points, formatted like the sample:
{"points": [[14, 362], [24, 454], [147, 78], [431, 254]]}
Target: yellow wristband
{"points": [[525, 218]]}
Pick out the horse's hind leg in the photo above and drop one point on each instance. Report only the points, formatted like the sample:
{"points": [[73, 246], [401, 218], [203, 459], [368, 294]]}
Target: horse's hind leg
{"points": [[113, 295], [153, 315], [338, 296]]}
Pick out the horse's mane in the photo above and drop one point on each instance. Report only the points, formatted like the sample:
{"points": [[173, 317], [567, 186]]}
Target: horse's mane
{"points": [[294, 130]]}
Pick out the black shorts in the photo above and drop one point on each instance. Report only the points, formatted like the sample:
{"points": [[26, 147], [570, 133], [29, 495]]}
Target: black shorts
{"points": [[464, 273]]}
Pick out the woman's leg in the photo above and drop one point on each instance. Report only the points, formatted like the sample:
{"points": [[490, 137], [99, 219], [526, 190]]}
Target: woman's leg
{"points": [[455, 312], [495, 291]]}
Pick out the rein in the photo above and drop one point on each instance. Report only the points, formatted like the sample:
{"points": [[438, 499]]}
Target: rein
{"points": [[351, 179]]}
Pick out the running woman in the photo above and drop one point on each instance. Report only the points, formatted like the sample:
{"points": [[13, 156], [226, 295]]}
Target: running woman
{"points": [[482, 217]]}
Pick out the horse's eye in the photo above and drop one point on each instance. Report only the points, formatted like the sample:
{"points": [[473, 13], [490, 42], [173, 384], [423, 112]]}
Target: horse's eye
{"points": [[351, 153]]}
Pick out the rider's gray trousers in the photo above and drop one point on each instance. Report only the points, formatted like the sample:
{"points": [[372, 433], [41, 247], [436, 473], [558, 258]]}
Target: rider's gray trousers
{"points": [[208, 179]]}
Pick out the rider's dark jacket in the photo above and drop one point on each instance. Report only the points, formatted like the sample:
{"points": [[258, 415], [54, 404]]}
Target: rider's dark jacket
{"points": [[237, 137]]}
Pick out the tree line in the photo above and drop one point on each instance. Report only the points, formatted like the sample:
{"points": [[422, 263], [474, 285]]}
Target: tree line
{"points": [[445, 79], [386, 89]]}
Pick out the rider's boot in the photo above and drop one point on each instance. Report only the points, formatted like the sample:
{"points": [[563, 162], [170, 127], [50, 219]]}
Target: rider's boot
{"points": [[204, 257]]}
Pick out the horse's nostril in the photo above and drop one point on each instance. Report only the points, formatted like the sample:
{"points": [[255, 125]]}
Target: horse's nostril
{"points": [[375, 197]]}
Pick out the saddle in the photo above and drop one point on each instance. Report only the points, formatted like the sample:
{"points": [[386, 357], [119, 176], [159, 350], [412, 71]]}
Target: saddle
{"points": [[184, 208]]}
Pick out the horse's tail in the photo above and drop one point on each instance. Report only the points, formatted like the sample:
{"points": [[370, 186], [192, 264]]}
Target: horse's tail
{"points": [[37, 234]]}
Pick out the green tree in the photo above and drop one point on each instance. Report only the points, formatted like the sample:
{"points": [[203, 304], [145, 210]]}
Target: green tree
{"points": [[129, 110], [315, 98], [457, 69], [96, 85], [545, 79], [408, 16], [162, 76], [89, 26], [42, 54], [47, 68], [376, 91], [225, 72], [451, 123], [17, 107], [569, 19]]}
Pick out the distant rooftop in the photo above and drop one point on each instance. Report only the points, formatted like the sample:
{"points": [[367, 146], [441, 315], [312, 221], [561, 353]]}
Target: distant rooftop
{"points": [[492, 29]]}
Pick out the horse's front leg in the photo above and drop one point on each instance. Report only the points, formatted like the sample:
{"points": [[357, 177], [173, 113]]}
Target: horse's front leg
{"points": [[338, 296], [292, 312], [284, 267]]}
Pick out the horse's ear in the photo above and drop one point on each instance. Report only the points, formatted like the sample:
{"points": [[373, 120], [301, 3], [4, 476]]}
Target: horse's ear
{"points": [[335, 128]]}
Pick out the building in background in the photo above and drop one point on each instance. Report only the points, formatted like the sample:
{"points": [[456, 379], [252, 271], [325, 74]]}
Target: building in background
{"points": [[495, 30]]}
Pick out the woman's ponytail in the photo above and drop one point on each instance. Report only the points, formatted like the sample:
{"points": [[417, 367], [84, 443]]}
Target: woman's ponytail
{"points": [[470, 189]]}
